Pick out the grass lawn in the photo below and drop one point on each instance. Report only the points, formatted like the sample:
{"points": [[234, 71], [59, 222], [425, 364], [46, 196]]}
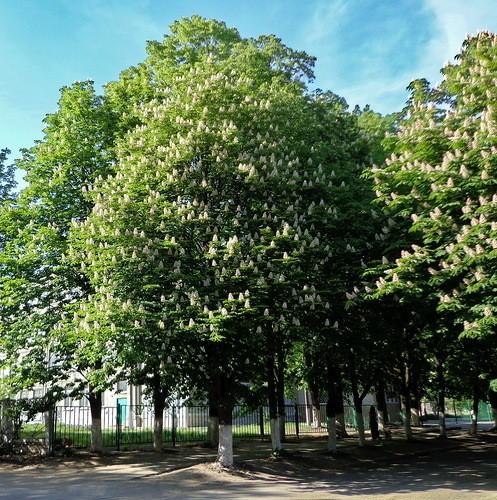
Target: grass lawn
{"points": [[79, 436]]}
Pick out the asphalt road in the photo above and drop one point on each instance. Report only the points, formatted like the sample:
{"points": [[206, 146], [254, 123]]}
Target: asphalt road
{"points": [[466, 472]]}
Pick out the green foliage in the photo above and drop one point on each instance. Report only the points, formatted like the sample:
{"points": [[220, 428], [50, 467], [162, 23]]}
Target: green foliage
{"points": [[440, 176], [7, 179], [37, 282], [209, 221], [210, 230]]}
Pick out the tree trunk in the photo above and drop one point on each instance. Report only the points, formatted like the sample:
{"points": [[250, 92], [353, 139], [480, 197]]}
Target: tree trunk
{"points": [[225, 448], [381, 402], [492, 397], [441, 400], [6, 424], [49, 429], [357, 400], [158, 429], [95, 399], [341, 425], [274, 421], [405, 385], [406, 417], [159, 401], [415, 416], [332, 406], [213, 426], [415, 402], [373, 423], [332, 433], [159, 406], [316, 405], [360, 423], [280, 389], [474, 412], [316, 416]]}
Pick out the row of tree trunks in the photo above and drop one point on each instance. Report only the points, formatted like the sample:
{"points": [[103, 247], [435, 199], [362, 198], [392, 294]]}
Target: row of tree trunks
{"points": [[220, 414]]}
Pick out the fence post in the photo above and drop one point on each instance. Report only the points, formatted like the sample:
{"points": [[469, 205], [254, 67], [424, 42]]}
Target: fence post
{"points": [[454, 406], [296, 415], [261, 421], [118, 426], [173, 423]]}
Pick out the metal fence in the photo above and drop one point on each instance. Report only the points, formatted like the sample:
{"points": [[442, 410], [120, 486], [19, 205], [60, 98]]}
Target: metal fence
{"points": [[460, 411], [131, 426], [125, 426]]}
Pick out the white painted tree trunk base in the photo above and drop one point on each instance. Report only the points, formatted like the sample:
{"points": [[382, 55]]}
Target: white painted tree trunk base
{"points": [[381, 422], [494, 416], [158, 433], [407, 427], [474, 424], [415, 418], [316, 417], [340, 418], [274, 425], [360, 427], [96, 435], [332, 434], [225, 448], [442, 428]]}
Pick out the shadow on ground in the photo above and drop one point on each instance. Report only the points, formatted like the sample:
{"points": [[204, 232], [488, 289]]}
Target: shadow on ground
{"points": [[460, 467]]}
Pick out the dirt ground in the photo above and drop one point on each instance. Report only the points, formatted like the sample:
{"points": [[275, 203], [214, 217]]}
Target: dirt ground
{"points": [[460, 467]]}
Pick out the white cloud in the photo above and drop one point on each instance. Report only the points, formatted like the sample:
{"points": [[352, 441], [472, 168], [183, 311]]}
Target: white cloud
{"points": [[454, 20], [448, 24], [325, 18], [458, 18]]}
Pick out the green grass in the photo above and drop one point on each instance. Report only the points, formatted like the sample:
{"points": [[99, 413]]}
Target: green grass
{"points": [[75, 436], [33, 431], [80, 437]]}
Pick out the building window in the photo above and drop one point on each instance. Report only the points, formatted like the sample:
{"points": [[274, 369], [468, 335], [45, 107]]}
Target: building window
{"points": [[122, 386], [84, 402], [37, 393]]}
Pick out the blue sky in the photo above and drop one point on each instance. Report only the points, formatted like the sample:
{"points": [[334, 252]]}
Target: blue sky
{"points": [[367, 50]]}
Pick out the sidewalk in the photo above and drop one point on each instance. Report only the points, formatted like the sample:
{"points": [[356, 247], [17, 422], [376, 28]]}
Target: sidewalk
{"points": [[461, 467]]}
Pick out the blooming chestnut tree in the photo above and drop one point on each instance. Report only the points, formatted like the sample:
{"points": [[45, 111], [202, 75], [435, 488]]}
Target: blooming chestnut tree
{"points": [[440, 177], [205, 235]]}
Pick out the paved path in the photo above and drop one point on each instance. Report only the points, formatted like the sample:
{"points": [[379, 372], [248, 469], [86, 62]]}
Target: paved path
{"points": [[466, 472]]}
